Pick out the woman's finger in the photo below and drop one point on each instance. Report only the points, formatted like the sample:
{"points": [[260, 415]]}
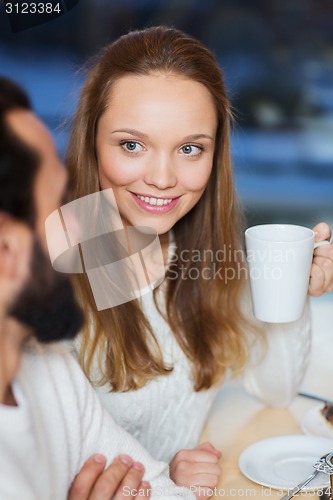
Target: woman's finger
{"points": [[317, 281], [321, 275], [195, 455], [209, 447], [323, 231]]}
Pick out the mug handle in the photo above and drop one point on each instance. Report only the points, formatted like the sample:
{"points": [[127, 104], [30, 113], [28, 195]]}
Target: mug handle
{"points": [[321, 243]]}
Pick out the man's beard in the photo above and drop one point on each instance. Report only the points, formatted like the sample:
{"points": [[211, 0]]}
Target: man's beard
{"points": [[47, 303]]}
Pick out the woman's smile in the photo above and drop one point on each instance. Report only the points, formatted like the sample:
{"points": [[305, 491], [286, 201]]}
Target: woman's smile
{"points": [[158, 205]]}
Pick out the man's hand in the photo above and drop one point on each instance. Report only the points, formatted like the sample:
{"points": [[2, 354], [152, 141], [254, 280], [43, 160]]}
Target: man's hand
{"points": [[122, 479], [197, 468], [321, 275]]}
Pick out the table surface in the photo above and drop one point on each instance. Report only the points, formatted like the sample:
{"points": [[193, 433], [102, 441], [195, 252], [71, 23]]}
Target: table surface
{"points": [[238, 420]]}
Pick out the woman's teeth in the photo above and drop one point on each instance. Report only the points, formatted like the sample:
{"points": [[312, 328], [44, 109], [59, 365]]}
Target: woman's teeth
{"points": [[155, 201]]}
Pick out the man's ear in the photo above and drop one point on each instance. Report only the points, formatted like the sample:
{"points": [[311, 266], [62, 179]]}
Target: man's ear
{"points": [[15, 251]]}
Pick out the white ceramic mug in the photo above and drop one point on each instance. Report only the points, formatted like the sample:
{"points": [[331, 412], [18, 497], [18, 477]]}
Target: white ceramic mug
{"points": [[279, 260]]}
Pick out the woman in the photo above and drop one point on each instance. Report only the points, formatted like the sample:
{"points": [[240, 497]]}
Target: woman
{"points": [[153, 125]]}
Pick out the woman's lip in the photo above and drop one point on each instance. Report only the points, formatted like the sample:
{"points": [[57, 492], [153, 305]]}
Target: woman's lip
{"points": [[157, 209], [154, 196]]}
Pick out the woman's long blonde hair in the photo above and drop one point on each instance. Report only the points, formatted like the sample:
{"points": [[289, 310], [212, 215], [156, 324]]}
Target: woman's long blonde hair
{"points": [[204, 314]]}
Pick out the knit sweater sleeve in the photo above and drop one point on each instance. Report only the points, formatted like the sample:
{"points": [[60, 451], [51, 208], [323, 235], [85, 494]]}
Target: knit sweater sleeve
{"points": [[276, 370], [101, 434]]}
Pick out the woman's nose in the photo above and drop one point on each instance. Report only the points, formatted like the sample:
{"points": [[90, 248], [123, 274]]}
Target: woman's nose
{"points": [[160, 172]]}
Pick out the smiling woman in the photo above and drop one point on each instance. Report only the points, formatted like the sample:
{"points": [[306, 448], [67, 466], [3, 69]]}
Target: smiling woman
{"points": [[158, 169], [153, 125], [154, 97]]}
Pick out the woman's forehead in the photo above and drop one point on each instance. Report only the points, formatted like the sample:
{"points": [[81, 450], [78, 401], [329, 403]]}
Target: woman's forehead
{"points": [[157, 98]]}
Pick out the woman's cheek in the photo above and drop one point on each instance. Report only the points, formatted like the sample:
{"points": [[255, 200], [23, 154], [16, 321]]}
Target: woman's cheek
{"points": [[117, 173], [197, 178]]}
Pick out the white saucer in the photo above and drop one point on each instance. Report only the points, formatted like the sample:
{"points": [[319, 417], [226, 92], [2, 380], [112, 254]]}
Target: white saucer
{"points": [[284, 461], [313, 423]]}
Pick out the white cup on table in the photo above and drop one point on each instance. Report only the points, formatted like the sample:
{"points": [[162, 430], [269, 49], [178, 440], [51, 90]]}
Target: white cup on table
{"points": [[279, 260]]}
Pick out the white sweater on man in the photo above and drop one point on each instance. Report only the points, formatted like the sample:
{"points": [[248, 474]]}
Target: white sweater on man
{"points": [[167, 415], [57, 425]]}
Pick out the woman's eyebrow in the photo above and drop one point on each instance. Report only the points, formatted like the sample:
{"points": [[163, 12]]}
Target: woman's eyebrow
{"points": [[131, 131], [137, 133], [195, 137]]}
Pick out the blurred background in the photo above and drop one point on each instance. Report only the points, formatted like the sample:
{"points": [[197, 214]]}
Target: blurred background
{"points": [[277, 59]]}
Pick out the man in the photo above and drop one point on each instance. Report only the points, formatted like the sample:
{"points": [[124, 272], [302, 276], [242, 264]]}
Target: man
{"points": [[55, 439]]}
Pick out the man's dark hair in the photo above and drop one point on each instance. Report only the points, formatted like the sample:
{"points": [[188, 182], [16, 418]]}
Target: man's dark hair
{"points": [[18, 162], [46, 303]]}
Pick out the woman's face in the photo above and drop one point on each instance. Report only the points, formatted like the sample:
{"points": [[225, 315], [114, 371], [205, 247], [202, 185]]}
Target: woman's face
{"points": [[155, 147]]}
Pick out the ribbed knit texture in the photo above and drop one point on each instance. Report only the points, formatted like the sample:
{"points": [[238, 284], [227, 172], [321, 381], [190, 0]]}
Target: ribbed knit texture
{"points": [[165, 415], [168, 415], [68, 426]]}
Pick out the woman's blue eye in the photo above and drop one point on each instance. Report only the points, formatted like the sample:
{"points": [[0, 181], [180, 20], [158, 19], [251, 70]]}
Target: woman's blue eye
{"points": [[191, 150], [132, 146]]}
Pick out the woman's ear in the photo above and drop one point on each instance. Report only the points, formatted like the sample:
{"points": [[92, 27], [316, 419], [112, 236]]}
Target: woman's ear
{"points": [[15, 253]]}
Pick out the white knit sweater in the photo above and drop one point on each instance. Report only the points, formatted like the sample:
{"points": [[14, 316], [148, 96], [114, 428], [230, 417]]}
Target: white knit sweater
{"points": [[168, 415], [57, 425]]}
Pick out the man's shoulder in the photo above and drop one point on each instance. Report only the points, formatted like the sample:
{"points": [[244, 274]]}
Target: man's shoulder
{"points": [[54, 357], [51, 368], [53, 351]]}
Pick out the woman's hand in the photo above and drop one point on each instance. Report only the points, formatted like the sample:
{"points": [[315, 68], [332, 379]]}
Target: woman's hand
{"points": [[197, 469], [321, 274]]}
